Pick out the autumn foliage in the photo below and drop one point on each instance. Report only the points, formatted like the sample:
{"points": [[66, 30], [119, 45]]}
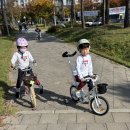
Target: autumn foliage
{"points": [[41, 8], [117, 3]]}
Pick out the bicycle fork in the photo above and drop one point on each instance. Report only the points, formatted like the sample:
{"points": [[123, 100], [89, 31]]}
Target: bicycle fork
{"points": [[98, 102]]}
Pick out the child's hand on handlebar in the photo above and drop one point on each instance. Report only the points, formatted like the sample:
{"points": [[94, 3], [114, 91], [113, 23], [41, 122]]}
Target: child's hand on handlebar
{"points": [[35, 63], [82, 79], [13, 67]]}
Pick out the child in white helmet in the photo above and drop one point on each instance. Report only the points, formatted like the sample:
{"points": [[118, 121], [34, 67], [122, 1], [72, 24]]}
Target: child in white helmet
{"points": [[83, 66], [22, 57]]}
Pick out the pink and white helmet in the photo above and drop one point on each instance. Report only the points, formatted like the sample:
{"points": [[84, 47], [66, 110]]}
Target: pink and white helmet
{"points": [[21, 42]]}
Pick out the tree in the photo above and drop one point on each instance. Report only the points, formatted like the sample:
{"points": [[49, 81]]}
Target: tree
{"points": [[117, 3], [10, 10], [82, 16], [72, 12], [127, 14], [62, 8], [42, 8], [107, 12], [4, 16]]}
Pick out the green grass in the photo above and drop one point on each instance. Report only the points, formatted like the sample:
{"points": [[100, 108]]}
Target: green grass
{"points": [[6, 46], [111, 41]]}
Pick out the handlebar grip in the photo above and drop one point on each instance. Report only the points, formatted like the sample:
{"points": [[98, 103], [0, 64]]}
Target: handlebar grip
{"points": [[65, 54]]}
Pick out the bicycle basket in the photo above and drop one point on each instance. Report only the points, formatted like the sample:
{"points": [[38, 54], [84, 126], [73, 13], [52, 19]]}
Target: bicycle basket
{"points": [[102, 88]]}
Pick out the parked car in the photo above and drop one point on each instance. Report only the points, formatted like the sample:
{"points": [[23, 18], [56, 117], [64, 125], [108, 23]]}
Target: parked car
{"points": [[93, 23]]}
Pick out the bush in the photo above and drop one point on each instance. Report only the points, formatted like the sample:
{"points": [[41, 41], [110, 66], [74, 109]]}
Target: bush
{"points": [[54, 29]]}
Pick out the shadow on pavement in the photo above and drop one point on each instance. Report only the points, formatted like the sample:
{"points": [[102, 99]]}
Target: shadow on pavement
{"points": [[33, 36], [60, 99], [122, 91]]}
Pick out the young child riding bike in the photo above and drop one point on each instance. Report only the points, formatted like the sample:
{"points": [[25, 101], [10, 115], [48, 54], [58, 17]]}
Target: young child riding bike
{"points": [[83, 66], [22, 58], [38, 31]]}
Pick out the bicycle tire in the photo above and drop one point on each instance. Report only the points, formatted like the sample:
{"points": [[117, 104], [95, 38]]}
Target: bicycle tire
{"points": [[33, 97], [92, 103]]}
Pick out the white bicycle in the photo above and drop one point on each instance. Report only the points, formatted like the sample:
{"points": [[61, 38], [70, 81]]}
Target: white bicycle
{"points": [[98, 104]]}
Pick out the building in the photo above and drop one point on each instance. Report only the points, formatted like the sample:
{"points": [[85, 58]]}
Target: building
{"points": [[65, 2], [22, 2]]}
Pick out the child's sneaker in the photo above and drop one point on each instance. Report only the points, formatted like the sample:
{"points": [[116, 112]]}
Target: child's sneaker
{"points": [[82, 94], [17, 95], [41, 91], [78, 94]]}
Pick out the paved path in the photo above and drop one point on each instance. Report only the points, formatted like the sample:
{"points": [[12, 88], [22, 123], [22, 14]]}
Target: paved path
{"points": [[67, 120], [54, 73]]}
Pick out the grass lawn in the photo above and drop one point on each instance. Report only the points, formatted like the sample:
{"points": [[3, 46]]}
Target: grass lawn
{"points": [[111, 41], [6, 46]]}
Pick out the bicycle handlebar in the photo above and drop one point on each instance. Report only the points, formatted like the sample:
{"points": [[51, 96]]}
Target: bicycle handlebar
{"points": [[93, 78], [27, 69], [66, 54]]}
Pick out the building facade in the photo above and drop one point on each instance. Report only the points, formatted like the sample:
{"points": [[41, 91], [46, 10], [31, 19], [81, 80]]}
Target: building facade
{"points": [[22, 2], [65, 2]]}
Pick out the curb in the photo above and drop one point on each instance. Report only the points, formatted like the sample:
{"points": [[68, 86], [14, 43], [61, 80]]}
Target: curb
{"points": [[69, 111]]}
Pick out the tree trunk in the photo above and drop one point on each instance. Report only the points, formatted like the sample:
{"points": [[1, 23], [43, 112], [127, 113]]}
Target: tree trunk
{"points": [[62, 8], [54, 13], [103, 17], [82, 16], [72, 12], [5, 22], [127, 14], [107, 12]]}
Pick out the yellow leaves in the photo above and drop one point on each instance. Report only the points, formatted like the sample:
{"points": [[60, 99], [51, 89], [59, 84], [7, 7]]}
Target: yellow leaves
{"points": [[43, 8], [42, 2]]}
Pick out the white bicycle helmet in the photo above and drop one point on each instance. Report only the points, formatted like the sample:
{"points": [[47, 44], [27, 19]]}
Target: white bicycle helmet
{"points": [[20, 42], [83, 43]]}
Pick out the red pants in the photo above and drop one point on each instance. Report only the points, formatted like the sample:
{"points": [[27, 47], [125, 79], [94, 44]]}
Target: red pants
{"points": [[83, 83], [21, 75]]}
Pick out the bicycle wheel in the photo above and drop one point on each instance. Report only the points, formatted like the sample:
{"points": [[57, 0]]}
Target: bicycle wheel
{"points": [[73, 90], [39, 37], [33, 97], [100, 106], [22, 89]]}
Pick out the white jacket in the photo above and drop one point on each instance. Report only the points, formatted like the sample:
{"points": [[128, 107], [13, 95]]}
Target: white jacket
{"points": [[84, 66], [22, 59]]}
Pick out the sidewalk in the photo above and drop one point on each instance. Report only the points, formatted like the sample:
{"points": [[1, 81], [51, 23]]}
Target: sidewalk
{"points": [[52, 111], [68, 120]]}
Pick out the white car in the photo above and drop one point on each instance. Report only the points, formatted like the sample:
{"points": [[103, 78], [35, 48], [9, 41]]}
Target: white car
{"points": [[94, 23]]}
